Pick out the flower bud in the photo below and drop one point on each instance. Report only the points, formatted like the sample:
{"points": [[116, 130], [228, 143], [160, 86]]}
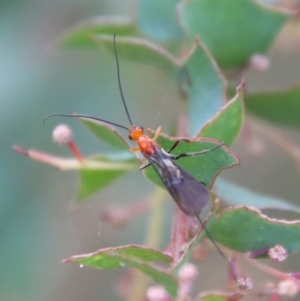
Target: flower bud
{"points": [[244, 283], [259, 62], [288, 288], [187, 273], [278, 253], [62, 134], [157, 293]]}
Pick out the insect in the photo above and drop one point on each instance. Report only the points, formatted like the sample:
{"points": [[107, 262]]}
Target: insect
{"points": [[190, 195]]}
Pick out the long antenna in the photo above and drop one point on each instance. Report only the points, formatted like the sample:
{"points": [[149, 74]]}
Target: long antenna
{"points": [[99, 119], [210, 237], [85, 116], [119, 81]]}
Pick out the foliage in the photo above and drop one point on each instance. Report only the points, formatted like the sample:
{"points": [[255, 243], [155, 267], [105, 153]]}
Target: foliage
{"points": [[209, 44]]}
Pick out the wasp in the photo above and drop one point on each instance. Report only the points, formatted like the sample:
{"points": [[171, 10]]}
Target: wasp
{"points": [[190, 195]]}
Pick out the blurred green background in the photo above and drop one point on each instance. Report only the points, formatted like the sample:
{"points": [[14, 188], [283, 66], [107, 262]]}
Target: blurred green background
{"points": [[40, 222]]}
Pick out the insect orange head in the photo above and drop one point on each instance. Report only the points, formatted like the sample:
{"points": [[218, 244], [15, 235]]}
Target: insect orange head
{"points": [[135, 132]]}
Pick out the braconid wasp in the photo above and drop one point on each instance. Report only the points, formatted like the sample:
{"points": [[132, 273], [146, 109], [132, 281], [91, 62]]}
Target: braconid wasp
{"points": [[190, 195]]}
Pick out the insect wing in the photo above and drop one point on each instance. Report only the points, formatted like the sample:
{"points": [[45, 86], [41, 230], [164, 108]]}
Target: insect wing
{"points": [[189, 194]]}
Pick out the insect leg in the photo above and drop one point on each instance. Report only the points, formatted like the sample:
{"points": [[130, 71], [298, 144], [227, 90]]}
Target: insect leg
{"points": [[204, 152], [174, 146], [210, 237], [134, 149], [157, 132], [144, 165]]}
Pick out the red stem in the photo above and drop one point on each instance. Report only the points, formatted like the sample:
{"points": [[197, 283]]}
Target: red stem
{"points": [[75, 151]]}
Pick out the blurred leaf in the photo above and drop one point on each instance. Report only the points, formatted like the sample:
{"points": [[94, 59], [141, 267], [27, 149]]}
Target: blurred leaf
{"points": [[220, 296], [203, 168], [227, 123], [132, 256], [213, 297], [92, 180], [162, 278], [80, 34], [106, 133], [158, 19], [205, 91], [232, 30], [140, 51], [237, 195], [281, 107], [246, 229]]}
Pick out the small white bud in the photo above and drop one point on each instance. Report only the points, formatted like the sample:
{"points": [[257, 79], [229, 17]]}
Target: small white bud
{"points": [[259, 62], [188, 272], [62, 134], [288, 288], [157, 293]]}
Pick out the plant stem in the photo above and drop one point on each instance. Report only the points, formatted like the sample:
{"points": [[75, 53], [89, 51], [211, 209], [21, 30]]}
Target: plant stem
{"points": [[140, 282]]}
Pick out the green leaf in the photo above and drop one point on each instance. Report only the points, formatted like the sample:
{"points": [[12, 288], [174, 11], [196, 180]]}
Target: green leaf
{"points": [[133, 256], [226, 124], [80, 34], [92, 180], [158, 19], [159, 276], [237, 195], [281, 107], [106, 133], [232, 30], [145, 254], [205, 91], [246, 229], [220, 296], [203, 168], [212, 298], [140, 51]]}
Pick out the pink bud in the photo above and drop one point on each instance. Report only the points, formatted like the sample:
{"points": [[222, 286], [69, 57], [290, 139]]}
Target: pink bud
{"points": [[187, 273], [259, 62], [244, 283], [62, 134], [288, 288], [278, 253], [157, 293]]}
